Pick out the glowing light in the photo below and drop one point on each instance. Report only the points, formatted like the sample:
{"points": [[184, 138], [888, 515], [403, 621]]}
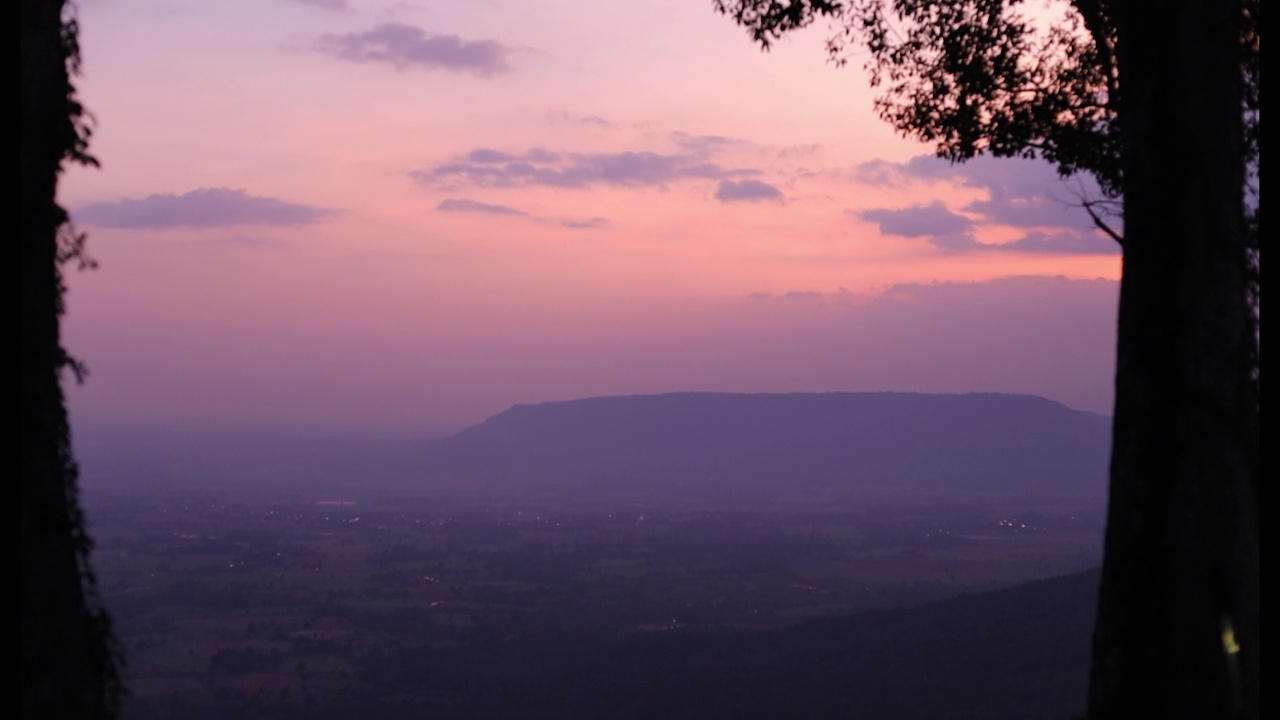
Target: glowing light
{"points": [[1229, 644]]}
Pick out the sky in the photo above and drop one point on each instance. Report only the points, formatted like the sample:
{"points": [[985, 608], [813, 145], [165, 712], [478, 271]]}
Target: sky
{"points": [[403, 217]]}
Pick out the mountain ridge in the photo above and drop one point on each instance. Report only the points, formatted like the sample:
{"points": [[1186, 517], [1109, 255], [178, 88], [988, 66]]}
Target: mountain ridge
{"points": [[701, 441]]}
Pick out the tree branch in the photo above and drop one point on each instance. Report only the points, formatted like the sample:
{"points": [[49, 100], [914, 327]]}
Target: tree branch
{"points": [[1102, 224]]}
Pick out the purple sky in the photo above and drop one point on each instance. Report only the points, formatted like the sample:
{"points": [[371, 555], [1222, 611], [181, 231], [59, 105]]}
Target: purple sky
{"points": [[401, 217]]}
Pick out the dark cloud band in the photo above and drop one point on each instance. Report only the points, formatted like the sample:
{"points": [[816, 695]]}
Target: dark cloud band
{"points": [[492, 168], [472, 206], [918, 220], [405, 46], [202, 208], [1024, 194], [747, 191]]}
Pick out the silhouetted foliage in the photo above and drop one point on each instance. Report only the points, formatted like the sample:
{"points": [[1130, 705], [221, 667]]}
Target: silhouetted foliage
{"points": [[977, 76], [69, 658], [1160, 103]]}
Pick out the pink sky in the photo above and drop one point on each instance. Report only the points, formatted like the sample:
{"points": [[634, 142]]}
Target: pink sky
{"points": [[400, 216]]}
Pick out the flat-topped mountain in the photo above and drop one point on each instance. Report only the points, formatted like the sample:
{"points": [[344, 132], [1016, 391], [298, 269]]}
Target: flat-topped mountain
{"points": [[710, 444]]}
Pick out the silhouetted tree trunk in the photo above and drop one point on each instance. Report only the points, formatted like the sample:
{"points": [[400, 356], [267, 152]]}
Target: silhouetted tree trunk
{"points": [[1177, 629], [68, 668]]}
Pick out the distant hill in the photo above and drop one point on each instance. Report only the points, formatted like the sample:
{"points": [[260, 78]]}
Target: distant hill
{"points": [[711, 444], [1020, 653]]}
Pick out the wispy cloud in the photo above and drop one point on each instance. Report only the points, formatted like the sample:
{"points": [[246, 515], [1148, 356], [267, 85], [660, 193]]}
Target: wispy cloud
{"points": [[589, 120], [487, 156], [465, 205], [1060, 243], [333, 5], [202, 208], [1065, 243], [918, 220], [798, 151], [703, 144], [953, 232], [747, 191], [1023, 194], [405, 46], [585, 223], [462, 205], [493, 168]]}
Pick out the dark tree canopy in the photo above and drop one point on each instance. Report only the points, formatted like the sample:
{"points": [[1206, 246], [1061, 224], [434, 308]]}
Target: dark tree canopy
{"points": [[1161, 104], [975, 76], [984, 76], [69, 661]]}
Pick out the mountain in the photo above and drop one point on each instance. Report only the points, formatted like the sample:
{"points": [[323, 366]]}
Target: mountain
{"points": [[713, 444]]}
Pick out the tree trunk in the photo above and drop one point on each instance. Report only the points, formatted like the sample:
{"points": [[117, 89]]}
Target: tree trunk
{"points": [[67, 668], [1177, 627]]}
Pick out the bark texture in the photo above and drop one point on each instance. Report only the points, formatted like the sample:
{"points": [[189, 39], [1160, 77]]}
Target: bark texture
{"points": [[1177, 628]]}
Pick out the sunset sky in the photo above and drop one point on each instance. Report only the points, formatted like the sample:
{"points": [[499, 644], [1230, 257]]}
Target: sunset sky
{"points": [[349, 216]]}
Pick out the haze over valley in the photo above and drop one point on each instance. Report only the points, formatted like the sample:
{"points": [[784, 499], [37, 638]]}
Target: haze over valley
{"points": [[480, 360], [311, 576]]}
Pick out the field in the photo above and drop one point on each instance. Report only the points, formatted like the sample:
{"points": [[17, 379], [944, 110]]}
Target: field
{"points": [[275, 601]]}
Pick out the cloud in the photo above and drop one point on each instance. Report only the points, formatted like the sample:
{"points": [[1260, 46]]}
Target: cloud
{"points": [[593, 120], [918, 221], [405, 46], [702, 143], [585, 224], [472, 206], [486, 156], [746, 191], [334, 5], [1002, 177], [1025, 194], [492, 168], [202, 208], [1063, 243], [1005, 177], [802, 295], [1021, 193], [1030, 212], [464, 205], [799, 151]]}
